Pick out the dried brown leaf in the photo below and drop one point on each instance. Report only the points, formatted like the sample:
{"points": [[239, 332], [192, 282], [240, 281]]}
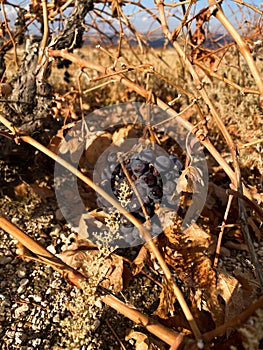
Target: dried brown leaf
{"points": [[107, 270], [166, 305], [122, 134], [142, 342], [139, 262], [229, 289], [190, 180], [5, 89], [96, 144], [21, 191]]}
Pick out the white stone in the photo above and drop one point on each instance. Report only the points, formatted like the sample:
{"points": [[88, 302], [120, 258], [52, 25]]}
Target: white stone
{"points": [[20, 310], [37, 298]]}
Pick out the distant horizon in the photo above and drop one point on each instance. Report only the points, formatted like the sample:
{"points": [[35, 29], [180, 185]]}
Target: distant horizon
{"points": [[144, 23]]}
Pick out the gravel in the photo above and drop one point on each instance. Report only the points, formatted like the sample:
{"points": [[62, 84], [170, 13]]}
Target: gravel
{"points": [[40, 310], [38, 307]]}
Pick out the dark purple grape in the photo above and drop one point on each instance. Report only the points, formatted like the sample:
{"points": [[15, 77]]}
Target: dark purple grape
{"points": [[149, 179], [147, 155], [126, 227], [157, 192], [106, 174], [140, 183], [141, 187], [112, 167], [105, 184], [134, 204], [112, 157], [163, 163], [138, 167], [177, 164], [168, 187], [149, 208]]}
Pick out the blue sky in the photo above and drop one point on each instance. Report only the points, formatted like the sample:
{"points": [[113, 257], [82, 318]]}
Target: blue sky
{"points": [[143, 22], [231, 9]]}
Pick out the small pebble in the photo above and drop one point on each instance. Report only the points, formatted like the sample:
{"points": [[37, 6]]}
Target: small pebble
{"points": [[225, 252], [36, 342], [37, 298], [18, 337], [56, 318], [21, 272], [23, 282], [51, 249], [5, 260], [20, 310]]}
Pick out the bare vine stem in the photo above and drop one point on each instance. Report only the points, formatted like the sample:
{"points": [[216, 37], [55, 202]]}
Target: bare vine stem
{"points": [[220, 236], [167, 335], [9, 33], [236, 180], [143, 231], [46, 31], [243, 47], [171, 112]]}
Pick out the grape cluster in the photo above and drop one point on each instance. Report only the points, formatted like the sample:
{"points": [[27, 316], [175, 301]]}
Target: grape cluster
{"points": [[153, 175]]}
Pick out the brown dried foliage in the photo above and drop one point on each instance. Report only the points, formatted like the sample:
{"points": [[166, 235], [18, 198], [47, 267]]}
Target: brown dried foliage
{"points": [[219, 300]]}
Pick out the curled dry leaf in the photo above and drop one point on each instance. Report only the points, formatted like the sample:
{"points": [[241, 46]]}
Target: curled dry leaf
{"points": [[190, 180], [106, 271], [144, 342], [139, 262], [56, 140], [122, 134], [96, 145], [187, 253], [82, 144], [167, 300]]}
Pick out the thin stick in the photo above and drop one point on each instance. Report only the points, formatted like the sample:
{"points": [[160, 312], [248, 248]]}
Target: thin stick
{"points": [[115, 334], [243, 47], [46, 31], [235, 322], [9, 33], [252, 204], [143, 231], [220, 236], [252, 143], [212, 73], [75, 277], [40, 251]]}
